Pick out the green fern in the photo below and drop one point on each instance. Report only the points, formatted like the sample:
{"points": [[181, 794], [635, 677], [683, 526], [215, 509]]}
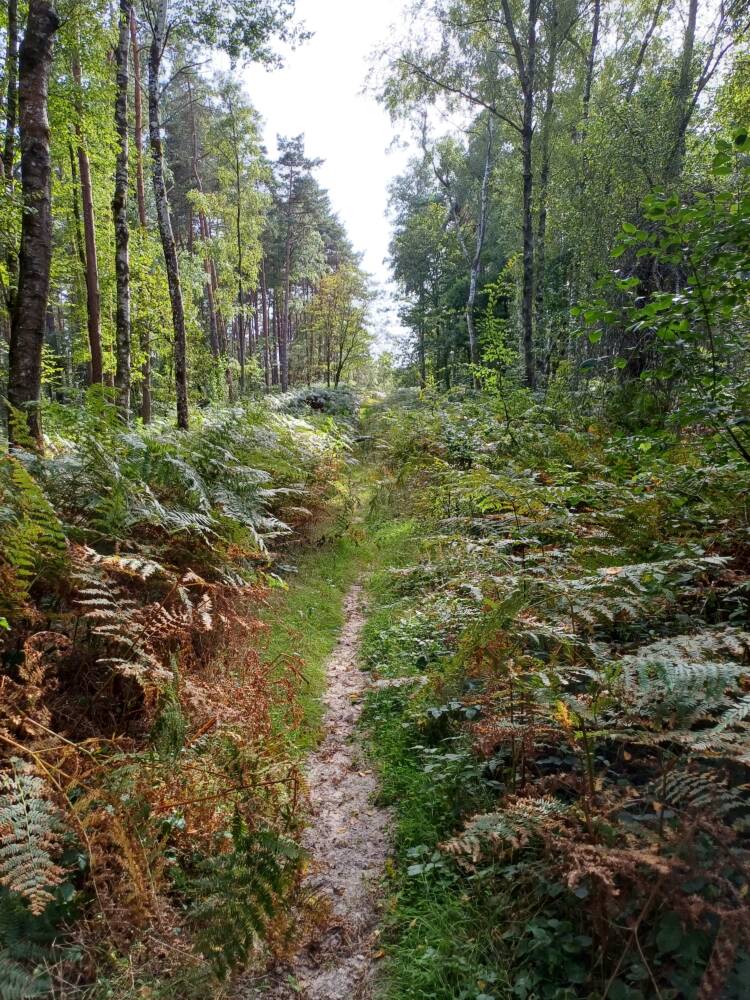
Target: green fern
{"points": [[34, 540], [234, 894]]}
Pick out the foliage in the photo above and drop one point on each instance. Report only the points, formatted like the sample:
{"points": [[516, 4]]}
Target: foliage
{"points": [[571, 775], [152, 737], [237, 891]]}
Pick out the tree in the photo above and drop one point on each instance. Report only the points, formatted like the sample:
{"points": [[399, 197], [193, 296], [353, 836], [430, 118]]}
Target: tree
{"points": [[336, 324], [241, 28], [30, 305], [91, 265], [120, 215]]}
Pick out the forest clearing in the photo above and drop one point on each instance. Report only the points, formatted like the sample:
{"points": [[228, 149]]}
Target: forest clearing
{"points": [[375, 629]]}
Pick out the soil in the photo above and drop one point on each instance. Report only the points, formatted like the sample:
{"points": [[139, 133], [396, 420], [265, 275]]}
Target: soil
{"points": [[347, 840]]}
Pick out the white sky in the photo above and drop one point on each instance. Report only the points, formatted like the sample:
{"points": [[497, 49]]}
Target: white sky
{"points": [[319, 92]]}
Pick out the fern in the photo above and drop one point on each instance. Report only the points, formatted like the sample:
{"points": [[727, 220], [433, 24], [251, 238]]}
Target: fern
{"points": [[115, 619], [170, 728], [680, 675], [30, 827], [509, 828], [34, 539], [705, 792], [234, 894]]}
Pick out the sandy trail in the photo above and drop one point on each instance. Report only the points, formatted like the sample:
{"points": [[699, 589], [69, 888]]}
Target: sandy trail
{"points": [[348, 844]]}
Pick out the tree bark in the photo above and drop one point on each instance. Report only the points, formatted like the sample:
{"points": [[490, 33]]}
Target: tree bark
{"points": [[240, 261], [138, 120], [526, 68], [266, 346], [591, 61], [9, 145], [91, 271], [642, 52], [11, 93], [478, 247], [30, 307], [541, 238], [213, 325], [166, 232], [682, 94], [144, 338], [120, 216]]}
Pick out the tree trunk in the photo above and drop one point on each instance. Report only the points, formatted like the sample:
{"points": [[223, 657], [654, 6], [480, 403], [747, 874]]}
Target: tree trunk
{"points": [[527, 136], [240, 290], [145, 338], [478, 247], [213, 326], [91, 271], [165, 223], [541, 238], [30, 306], [138, 120], [266, 345], [9, 146], [120, 215], [591, 61], [526, 69], [275, 366], [422, 352], [146, 405], [682, 95], [11, 93]]}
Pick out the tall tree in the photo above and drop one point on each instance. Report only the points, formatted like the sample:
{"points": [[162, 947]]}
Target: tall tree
{"points": [[11, 90], [91, 269], [30, 306], [138, 119], [120, 215], [525, 67], [240, 28], [157, 16]]}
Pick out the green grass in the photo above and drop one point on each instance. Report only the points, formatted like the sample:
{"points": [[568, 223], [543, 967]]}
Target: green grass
{"points": [[306, 619], [438, 937]]}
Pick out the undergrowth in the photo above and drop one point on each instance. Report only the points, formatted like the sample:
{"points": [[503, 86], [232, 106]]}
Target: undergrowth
{"points": [[568, 763], [150, 794]]}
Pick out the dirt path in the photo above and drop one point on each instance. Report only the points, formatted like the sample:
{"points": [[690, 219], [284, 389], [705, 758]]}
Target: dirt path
{"points": [[347, 841]]}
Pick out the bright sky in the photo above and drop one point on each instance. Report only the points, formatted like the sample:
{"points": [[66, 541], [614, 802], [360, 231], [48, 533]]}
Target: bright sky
{"points": [[319, 92]]}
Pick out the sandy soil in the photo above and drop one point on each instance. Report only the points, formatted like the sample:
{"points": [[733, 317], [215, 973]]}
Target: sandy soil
{"points": [[348, 844]]}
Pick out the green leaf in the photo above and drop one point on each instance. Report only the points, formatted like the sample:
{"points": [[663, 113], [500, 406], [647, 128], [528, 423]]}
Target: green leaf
{"points": [[722, 164]]}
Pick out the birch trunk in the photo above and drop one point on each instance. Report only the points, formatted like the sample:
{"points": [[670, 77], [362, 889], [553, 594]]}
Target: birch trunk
{"points": [[166, 233]]}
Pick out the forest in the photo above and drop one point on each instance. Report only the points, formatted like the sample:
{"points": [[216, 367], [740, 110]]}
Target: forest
{"points": [[339, 661]]}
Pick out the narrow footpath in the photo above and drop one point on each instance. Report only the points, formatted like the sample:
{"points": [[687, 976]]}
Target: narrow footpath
{"points": [[347, 841]]}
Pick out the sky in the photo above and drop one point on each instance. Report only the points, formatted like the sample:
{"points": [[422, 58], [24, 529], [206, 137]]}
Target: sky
{"points": [[318, 92]]}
